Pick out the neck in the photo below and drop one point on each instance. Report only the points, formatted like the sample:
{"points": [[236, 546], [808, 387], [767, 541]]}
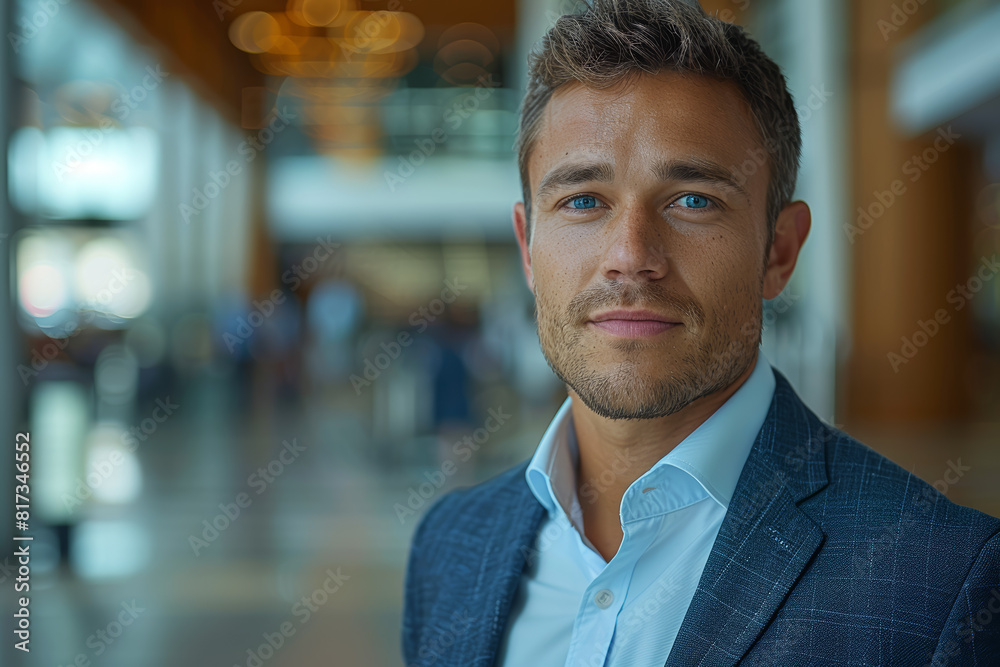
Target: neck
{"points": [[614, 453]]}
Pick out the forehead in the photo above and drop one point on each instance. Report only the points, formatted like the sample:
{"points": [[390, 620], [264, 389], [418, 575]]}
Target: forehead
{"points": [[665, 115]]}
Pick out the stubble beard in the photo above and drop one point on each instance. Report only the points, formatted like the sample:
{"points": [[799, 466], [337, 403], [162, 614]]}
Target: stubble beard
{"points": [[706, 359]]}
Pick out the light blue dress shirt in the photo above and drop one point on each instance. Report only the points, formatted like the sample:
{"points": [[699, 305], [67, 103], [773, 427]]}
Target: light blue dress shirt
{"points": [[575, 609]]}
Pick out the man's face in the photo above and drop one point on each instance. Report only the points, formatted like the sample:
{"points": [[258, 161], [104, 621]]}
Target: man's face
{"points": [[638, 204]]}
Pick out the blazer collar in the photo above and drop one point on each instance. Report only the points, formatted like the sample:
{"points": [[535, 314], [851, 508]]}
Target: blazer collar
{"points": [[763, 544]]}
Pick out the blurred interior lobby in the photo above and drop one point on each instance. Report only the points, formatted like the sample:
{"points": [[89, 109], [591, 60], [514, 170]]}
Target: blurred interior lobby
{"points": [[264, 302]]}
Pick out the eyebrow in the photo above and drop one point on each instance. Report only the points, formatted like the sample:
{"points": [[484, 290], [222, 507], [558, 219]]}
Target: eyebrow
{"points": [[569, 175], [693, 169], [699, 170]]}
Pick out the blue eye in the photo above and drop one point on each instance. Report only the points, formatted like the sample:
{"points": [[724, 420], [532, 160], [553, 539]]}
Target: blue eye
{"points": [[694, 201], [583, 201]]}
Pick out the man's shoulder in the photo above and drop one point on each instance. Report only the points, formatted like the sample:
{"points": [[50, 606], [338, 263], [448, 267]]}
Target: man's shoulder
{"points": [[897, 555], [881, 510], [857, 471], [473, 510], [853, 475], [467, 552]]}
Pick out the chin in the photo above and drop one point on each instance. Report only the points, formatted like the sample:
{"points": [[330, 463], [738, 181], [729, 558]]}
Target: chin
{"points": [[623, 392]]}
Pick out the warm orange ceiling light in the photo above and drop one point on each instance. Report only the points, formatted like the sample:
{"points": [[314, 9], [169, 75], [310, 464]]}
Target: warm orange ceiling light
{"points": [[356, 91], [318, 13], [463, 51], [381, 32], [472, 31], [288, 45], [376, 66], [254, 32]]}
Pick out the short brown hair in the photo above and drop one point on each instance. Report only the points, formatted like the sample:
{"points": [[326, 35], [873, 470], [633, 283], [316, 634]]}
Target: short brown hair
{"points": [[613, 40]]}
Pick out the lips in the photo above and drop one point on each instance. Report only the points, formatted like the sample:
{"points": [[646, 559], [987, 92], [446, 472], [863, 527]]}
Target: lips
{"points": [[633, 323], [633, 315]]}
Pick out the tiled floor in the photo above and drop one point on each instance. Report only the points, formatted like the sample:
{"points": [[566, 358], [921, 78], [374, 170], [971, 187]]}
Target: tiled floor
{"points": [[328, 518], [325, 522]]}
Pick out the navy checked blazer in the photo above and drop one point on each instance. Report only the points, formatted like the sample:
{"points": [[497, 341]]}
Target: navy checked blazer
{"points": [[829, 554]]}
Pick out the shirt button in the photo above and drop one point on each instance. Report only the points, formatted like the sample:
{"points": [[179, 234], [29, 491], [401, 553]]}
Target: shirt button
{"points": [[603, 598]]}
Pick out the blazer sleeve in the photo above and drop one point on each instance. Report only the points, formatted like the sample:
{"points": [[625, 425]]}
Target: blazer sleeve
{"points": [[971, 635], [413, 605]]}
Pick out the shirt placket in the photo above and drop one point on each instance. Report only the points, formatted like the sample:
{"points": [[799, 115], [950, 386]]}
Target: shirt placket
{"points": [[604, 597]]}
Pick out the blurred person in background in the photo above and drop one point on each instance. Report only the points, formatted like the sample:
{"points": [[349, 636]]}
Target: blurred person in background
{"points": [[684, 506]]}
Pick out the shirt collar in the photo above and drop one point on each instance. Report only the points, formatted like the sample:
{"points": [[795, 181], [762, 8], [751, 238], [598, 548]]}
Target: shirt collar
{"points": [[713, 454]]}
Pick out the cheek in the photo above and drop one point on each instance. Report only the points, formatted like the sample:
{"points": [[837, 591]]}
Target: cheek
{"points": [[724, 277], [563, 263]]}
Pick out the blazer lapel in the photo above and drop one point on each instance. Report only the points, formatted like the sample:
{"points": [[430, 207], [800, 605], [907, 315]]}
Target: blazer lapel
{"points": [[764, 542], [501, 555]]}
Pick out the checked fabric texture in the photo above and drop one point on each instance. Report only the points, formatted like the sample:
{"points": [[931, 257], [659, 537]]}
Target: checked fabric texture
{"points": [[830, 554]]}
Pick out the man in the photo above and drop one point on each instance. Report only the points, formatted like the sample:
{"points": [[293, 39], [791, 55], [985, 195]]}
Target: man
{"points": [[684, 507]]}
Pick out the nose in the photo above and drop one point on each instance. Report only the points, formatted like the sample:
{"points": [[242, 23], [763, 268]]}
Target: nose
{"points": [[635, 246]]}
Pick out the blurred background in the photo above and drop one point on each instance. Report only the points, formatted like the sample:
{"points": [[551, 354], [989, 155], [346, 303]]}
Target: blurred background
{"points": [[264, 302]]}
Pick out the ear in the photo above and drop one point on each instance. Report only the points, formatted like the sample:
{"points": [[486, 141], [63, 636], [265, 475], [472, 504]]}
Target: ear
{"points": [[520, 231], [790, 232]]}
